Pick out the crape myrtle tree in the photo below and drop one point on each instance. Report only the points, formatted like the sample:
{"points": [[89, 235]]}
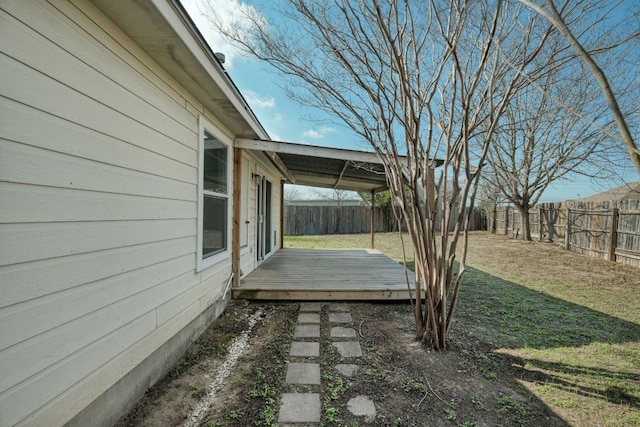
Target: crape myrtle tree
{"points": [[418, 81]]}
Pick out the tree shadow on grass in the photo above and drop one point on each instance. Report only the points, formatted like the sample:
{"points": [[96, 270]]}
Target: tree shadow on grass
{"points": [[519, 317], [552, 342], [615, 387]]}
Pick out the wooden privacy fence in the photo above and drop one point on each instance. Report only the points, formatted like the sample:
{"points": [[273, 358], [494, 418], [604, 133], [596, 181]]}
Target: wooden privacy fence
{"points": [[308, 220], [606, 230]]}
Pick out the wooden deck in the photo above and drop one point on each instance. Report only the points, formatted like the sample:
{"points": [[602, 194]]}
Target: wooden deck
{"points": [[326, 274]]}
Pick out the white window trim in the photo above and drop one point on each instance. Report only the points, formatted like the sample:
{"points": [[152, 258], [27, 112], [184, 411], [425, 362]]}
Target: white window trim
{"points": [[204, 124]]}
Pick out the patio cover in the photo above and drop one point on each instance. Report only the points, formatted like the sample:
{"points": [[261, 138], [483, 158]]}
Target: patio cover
{"points": [[323, 166]]}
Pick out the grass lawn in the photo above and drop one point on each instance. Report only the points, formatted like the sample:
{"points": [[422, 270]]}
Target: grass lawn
{"points": [[568, 324]]}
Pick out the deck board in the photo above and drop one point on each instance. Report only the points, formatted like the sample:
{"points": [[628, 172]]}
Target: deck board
{"points": [[326, 274]]}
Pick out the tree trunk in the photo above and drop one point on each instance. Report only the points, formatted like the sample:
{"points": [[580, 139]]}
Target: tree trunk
{"points": [[494, 227], [524, 222]]}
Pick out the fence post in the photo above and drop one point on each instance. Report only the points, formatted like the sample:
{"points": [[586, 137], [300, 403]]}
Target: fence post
{"points": [[373, 219], [551, 223], [282, 211], [539, 223], [567, 227], [613, 241]]}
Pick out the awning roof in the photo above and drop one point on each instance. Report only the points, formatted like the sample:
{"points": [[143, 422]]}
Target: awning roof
{"points": [[323, 166]]}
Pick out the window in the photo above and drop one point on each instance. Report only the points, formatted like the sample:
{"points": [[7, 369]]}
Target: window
{"points": [[213, 200]]}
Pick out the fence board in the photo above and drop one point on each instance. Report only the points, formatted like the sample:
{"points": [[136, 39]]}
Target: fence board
{"points": [[588, 224], [309, 220]]}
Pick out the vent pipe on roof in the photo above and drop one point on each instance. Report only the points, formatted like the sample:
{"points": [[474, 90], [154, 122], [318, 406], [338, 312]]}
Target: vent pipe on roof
{"points": [[220, 57]]}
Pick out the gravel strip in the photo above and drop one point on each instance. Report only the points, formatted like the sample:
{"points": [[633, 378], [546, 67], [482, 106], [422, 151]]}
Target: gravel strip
{"points": [[235, 351]]}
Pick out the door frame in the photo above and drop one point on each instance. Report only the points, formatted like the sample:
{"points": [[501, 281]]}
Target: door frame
{"points": [[264, 200]]}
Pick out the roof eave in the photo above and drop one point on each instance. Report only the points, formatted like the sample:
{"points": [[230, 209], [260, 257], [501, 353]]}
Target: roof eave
{"points": [[165, 32]]}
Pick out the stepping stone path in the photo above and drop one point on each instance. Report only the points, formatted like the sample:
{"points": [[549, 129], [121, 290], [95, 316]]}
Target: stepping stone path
{"points": [[304, 367]]}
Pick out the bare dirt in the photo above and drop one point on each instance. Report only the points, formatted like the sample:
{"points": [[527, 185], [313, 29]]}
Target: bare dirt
{"points": [[466, 385]]}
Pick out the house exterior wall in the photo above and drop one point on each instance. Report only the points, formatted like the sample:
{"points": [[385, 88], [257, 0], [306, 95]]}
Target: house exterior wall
{"points": [[99, 292], [259, 165]]}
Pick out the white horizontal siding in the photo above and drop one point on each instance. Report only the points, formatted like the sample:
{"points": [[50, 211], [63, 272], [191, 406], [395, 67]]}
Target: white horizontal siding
{"points": [[98, 173], [99, 44], [20, 401], [30, 165], [51, 46], [32, 242], [247, 257], [23, 203], [186, 297], [58, 135], [22, 321], [275, 215], [26, 85], [56, 412], [26, 281], [262, 166], [92, 326], [130, 66], [192, 301]]}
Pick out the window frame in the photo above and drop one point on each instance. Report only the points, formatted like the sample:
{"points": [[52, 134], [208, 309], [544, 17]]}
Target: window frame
{"points": [[203, 263]]}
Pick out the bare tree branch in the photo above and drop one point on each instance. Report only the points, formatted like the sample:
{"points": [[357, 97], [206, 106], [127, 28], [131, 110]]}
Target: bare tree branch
{"points": [[554, 16]]}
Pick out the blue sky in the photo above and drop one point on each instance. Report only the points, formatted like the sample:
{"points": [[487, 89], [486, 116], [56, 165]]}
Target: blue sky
{"points": [[285, 120]]}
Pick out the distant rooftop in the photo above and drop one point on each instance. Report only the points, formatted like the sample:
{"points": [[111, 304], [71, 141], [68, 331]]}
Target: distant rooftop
{"points": [[627, 191]]}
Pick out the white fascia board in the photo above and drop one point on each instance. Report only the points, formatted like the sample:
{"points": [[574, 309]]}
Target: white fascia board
{"points": [[307, 150], [172, 13]]}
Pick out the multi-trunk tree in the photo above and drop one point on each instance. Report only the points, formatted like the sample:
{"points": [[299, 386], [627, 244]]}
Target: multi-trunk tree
{"points": [[419, 82]]}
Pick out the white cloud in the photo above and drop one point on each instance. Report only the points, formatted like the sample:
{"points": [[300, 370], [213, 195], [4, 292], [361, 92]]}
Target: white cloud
{"points": [[231, 14], [312, 134], [257, 101], [318, 134]]}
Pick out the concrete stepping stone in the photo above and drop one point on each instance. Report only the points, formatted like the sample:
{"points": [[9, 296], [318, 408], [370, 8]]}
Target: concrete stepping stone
{"points": [[304, 349], [348, 348], [309, 318], [340, 332], [307, 331], [340, 317], [362, 406], [300, 408], [311, 307], [347, 370], [338, 307], [303, 373]]}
